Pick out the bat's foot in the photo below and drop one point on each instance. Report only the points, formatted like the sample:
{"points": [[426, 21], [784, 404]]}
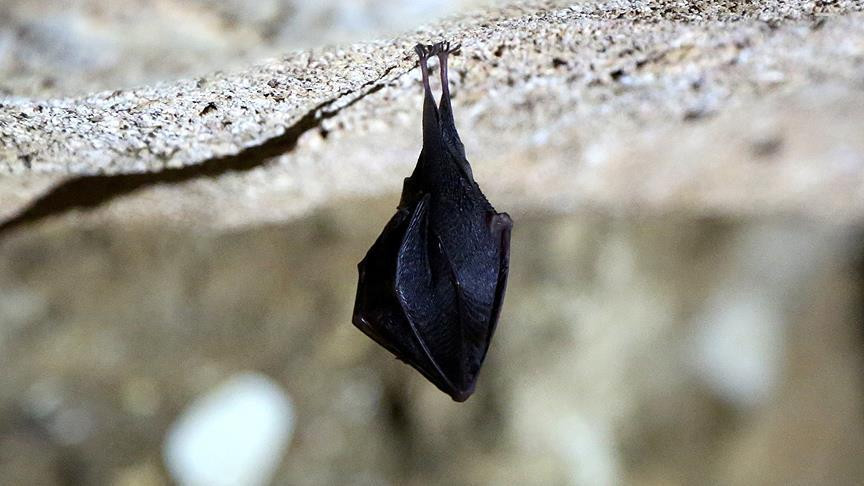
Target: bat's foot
{"points": [[443, 48], [425, 51], [422, 51]]}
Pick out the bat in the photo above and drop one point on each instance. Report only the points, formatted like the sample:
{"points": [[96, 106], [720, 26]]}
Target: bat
{"points": [[431, 286]]}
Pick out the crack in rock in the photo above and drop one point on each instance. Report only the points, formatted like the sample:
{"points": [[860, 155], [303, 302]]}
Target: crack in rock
{"points": [[90, 191], [644, 107]]}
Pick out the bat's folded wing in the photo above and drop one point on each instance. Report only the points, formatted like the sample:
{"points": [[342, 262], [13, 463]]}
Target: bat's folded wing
{"points": [[377, 311], [501, 227], [426, 289]]}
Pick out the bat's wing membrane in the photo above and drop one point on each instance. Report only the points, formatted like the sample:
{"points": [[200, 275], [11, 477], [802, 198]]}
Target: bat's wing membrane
{"points": [[501, 226], [377, 312], [426, 290], [478, 256]]}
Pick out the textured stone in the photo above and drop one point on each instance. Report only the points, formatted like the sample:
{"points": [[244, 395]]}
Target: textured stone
{"points": [[625, 106]]}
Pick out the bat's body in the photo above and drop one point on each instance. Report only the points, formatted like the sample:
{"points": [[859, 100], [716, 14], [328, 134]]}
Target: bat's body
{"points": [[432, 284]]}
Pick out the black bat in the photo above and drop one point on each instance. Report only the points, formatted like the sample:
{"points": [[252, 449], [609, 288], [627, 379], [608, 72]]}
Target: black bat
{"points": [[431, 286]]}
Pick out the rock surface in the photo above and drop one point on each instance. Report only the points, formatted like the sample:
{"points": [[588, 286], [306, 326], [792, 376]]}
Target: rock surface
{"points": [[626, 106]]}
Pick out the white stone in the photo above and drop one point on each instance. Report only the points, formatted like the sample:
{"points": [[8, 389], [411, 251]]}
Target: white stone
{"points": [[739, 348], [234, 435]]}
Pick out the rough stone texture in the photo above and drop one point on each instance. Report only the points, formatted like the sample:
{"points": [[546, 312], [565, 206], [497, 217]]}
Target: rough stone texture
{"points": [[616, 105], [685, 302]]}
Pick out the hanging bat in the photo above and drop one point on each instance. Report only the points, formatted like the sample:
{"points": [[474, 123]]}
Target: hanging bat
{"points": [[431, 286]]}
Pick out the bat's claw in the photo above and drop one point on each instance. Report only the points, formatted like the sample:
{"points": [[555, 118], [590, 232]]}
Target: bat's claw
{"points": [[442, 48], [422, 51], [439, 47]]}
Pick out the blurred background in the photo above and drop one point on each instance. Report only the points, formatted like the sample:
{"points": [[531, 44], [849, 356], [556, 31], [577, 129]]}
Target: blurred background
{"points": [[665, 350], [66, 47]]}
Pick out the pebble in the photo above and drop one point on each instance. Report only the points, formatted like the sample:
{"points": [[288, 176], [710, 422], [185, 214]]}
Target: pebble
{"points": [[234, 435]]}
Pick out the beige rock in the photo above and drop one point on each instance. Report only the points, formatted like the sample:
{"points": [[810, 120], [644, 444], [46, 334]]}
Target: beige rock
{"points": [[621, 106]]}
